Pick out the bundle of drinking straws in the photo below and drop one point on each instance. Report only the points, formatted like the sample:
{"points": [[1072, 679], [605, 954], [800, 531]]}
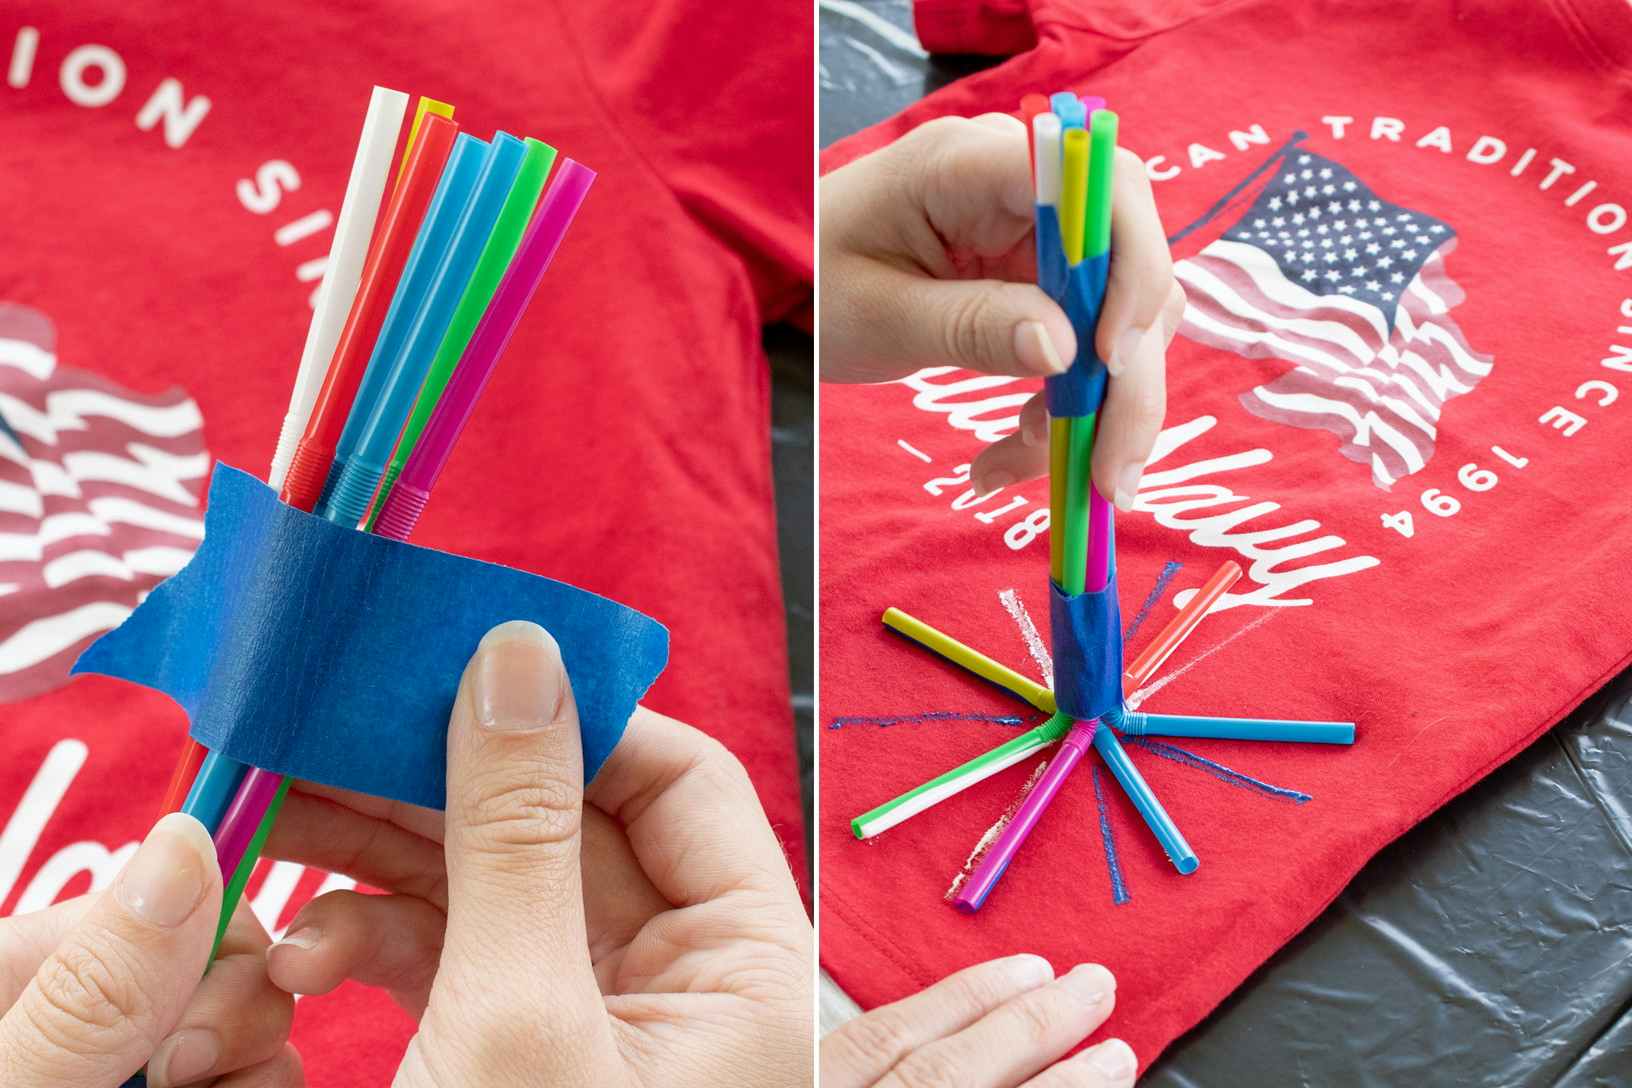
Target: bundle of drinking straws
{"points": [[425, 285]]}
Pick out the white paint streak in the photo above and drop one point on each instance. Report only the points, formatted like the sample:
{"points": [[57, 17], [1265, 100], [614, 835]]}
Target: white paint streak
{"points": [[992, 833], [1148, 690], [918, 453], [1016, 609]]}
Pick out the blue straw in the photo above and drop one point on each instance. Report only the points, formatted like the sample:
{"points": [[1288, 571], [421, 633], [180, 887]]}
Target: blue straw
{"points": [[213, 789], [1139, 792], [442, 216], [1069, 109], [1139, 724], [357, 480]]}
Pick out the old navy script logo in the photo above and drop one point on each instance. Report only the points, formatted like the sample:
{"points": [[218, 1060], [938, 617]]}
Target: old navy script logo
{"points": [[1278, 555]]}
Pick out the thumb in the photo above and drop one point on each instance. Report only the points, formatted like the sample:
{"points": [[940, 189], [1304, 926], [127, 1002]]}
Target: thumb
{"points": [[117, 984], [972, 181], [986, 325], [514, 823]]}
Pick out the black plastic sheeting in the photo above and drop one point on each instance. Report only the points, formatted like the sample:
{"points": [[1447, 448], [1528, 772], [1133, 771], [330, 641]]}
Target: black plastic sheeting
{"points": [[792, 357], [1490, 946]]}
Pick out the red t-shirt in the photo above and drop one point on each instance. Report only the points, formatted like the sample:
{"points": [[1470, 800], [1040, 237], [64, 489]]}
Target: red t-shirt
{"points": [[1400, 400], [623, 444]]}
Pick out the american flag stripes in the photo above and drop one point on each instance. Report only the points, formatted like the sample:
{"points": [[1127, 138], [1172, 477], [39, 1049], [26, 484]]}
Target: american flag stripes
{"points": [[1352, 290], [99, 491]]}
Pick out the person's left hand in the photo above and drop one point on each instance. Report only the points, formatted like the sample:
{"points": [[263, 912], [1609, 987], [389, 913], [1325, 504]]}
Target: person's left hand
{"points": [[94, 987]]}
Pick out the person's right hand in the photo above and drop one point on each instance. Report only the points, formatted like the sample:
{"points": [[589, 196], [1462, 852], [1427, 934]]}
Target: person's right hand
{"points": [[645, 931], [994, 1025]]}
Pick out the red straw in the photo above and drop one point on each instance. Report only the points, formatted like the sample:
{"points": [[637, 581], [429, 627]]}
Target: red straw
{"points": [[1030, 106], [386, 257], [1179, 627]]}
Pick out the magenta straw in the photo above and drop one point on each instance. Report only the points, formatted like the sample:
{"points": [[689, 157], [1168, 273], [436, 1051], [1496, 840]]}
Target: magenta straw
{"points": [[243, 818], [1099, 541], [555, 213], [990, 870]]}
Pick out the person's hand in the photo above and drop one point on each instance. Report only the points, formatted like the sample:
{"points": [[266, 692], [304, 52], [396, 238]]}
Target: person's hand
{"points": [[94, 987], [652, 935], [928, 259], [1004, 1022]]}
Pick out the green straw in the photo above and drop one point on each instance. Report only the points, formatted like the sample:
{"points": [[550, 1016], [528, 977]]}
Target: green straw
{"points": [[1078, 462], [501, 246], [234, 890], [958, 778], [1101, 164]]}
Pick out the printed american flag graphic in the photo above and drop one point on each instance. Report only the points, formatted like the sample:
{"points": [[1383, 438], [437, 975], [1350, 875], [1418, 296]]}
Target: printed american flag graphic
{"points": [[1352, 290], [99, 494]]}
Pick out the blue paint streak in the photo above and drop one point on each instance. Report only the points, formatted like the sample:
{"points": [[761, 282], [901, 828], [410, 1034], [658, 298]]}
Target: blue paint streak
{"points": [[1173, 567], [1217, 770], [1119, 888], [885, 721]]}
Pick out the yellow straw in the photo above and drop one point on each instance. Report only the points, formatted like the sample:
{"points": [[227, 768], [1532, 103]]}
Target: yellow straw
{"points": [[971, 659], [426, 105], [1074, 192]]}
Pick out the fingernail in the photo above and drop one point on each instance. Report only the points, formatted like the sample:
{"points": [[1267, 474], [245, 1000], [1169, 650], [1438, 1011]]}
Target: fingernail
{"points": [[1114, 1059], [992, 481], [1123, 350], [1090, 983], [1035, 350], [1035, 431], [1127, 485], [519, 681], [184, 1058], [305, 938], [164, 883], [1029, 970]]}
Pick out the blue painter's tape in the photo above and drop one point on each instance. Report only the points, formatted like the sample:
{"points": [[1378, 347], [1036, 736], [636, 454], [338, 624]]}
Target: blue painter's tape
{"points": [[1081, 389], [317, 652], [1087, 630], [1051, 266]]}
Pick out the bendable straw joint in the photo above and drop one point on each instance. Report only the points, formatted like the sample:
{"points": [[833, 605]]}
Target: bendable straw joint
{"points": [[303, 484], [353, 490], [392, 471], [401, 511]]}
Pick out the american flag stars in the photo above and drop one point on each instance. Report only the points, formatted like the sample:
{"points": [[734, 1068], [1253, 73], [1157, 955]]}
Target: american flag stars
{"points": [[1349, 229]]}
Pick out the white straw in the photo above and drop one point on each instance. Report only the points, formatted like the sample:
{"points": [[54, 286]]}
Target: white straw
{"points": [[1045, 129], [369, 170]]}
